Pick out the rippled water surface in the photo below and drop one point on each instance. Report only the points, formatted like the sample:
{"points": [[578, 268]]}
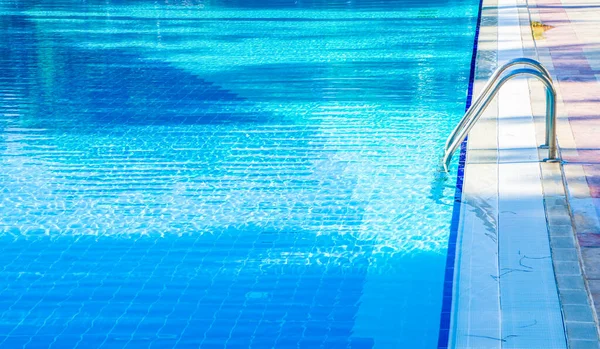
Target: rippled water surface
{"points": [[227, 173]]}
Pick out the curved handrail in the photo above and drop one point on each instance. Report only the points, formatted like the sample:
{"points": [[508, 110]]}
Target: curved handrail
{"points": [[494, 88], [488, 86]]}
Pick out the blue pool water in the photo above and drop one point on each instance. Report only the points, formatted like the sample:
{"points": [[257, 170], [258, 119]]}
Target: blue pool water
{"points": [[227, 173]]}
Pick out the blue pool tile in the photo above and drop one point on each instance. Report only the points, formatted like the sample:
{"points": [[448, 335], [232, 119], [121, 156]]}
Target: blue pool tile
{"points": [[361, 343]]}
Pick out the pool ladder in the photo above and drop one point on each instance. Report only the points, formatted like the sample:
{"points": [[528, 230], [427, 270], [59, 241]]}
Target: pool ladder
{"points": [[490, 90]]}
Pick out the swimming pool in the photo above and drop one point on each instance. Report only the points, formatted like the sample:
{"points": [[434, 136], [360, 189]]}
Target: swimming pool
{"points": [[227, 173]]}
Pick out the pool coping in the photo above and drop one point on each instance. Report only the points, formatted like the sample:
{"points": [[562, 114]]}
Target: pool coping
{"points": [[576, 311]]}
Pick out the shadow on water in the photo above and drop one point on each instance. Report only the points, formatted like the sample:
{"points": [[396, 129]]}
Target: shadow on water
{"points": [[107, 87]]}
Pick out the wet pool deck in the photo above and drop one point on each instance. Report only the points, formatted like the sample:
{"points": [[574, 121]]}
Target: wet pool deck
{"points": [[518, 208]]}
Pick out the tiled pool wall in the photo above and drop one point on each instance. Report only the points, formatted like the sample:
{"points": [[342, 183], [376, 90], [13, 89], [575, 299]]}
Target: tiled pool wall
{"points": [[446, 315]]}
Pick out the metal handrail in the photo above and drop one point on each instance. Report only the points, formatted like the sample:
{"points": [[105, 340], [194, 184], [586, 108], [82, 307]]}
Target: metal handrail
{"points": [[495, 86], [488, 86]]}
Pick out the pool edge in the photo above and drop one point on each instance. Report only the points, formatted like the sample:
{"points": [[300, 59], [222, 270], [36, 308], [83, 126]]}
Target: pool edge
{"points": [[448, 288]]}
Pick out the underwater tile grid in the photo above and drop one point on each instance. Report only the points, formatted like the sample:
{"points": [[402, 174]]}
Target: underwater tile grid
{"points": [[240, 174]]}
